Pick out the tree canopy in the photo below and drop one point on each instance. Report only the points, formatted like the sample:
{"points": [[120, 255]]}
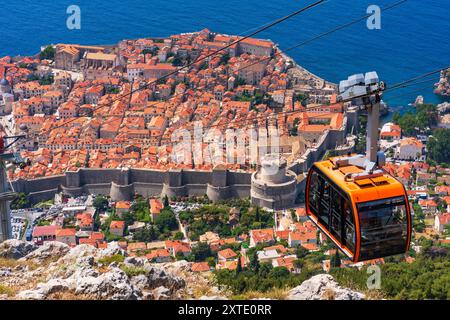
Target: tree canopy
{"points": [[100, 203], [438, 146], [48, 53], [20, 202], [166, 220]]}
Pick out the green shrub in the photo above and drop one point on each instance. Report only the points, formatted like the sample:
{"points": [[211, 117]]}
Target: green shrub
{"points": [[110, 259]]}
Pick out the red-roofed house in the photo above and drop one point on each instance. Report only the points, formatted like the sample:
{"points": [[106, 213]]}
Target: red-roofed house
{"points": [[390, 131], [230, 265], [442, 190], [44, 233], [261, 236], [441, 221], [88, 241], [177, 246], [85, 221], [287, 262], [301, 215], [155, 208], [159, 255], [200, 267], [66, 236], [122, 207], [98, 236], [429, 206], [226, 255], [282, 235], [300, 238], [117, 227], [410, 149], [447, 201]]}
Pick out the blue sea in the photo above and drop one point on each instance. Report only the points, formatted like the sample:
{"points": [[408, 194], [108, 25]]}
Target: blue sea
{"points": [[413, 39]]}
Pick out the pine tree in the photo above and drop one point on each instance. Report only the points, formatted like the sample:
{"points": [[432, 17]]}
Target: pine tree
{"points": [[257, 215], [336, 260], [254, 262], [166, 201], [239, 266]]}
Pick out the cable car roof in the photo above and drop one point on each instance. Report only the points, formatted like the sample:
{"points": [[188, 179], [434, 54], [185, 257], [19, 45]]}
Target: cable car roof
{"points": [[367, 188]]}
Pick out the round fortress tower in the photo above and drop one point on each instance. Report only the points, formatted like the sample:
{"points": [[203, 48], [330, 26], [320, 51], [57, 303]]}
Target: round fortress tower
{"points": [[273, 169], [273, 186]]}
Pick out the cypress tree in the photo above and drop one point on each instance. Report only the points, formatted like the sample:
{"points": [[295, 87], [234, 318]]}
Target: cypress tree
{"points": [[166, 201]]}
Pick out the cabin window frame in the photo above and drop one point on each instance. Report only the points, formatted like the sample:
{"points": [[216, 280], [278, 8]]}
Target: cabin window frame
{"points": [[346, 222], [376, 208]]}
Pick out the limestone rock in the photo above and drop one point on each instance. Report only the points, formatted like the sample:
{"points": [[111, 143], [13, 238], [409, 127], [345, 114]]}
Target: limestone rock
{"points": [[112, 249], [5, 272], [75, 253], [212, 298], [140, 281], [134, 261], [161, 293], [53, 285], [16, 249], [42, 290], [30, 295], [49, 250], [113, 284], [321, 287], [158, 277]]}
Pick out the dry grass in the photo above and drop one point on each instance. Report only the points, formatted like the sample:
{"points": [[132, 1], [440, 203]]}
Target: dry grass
{"points": [[6, 290], [329, 294], [9, 263], [274, 294], [68, 295], [374, 295], [12, 263]]}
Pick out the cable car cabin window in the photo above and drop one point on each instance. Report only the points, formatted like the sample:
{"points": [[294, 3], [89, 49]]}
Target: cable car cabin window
{"points": [[342, 225], [324, 201], [314, 193], [384, 227], [337, 202], [349, 226], [332, 208], [319, 198]]}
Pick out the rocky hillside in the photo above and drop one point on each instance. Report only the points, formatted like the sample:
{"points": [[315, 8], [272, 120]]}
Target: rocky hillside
{"points": [[56, 271]]}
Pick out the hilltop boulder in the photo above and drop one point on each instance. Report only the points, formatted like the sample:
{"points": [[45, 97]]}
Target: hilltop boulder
{"points": [[51, 250], [15, 249], [323, 287]]}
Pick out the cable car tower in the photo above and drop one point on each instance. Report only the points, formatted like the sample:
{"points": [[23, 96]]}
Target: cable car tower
{"points": [[351, 199], [8, 160], [365, 90]]}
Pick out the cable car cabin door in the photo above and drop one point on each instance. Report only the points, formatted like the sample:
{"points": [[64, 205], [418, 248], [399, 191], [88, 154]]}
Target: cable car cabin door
{"points": [[331, 210]]}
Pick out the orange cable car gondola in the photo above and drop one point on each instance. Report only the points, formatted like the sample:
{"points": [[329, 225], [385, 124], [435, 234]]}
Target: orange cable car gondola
{"points": [[352, 200]]}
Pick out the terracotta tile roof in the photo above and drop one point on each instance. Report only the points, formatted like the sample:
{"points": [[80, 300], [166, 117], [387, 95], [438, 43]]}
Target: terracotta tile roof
{"points": [[45, 230], [227, 253], [116, 224], [200, 267], [123, 205], [262, 235], [69, 232]]}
